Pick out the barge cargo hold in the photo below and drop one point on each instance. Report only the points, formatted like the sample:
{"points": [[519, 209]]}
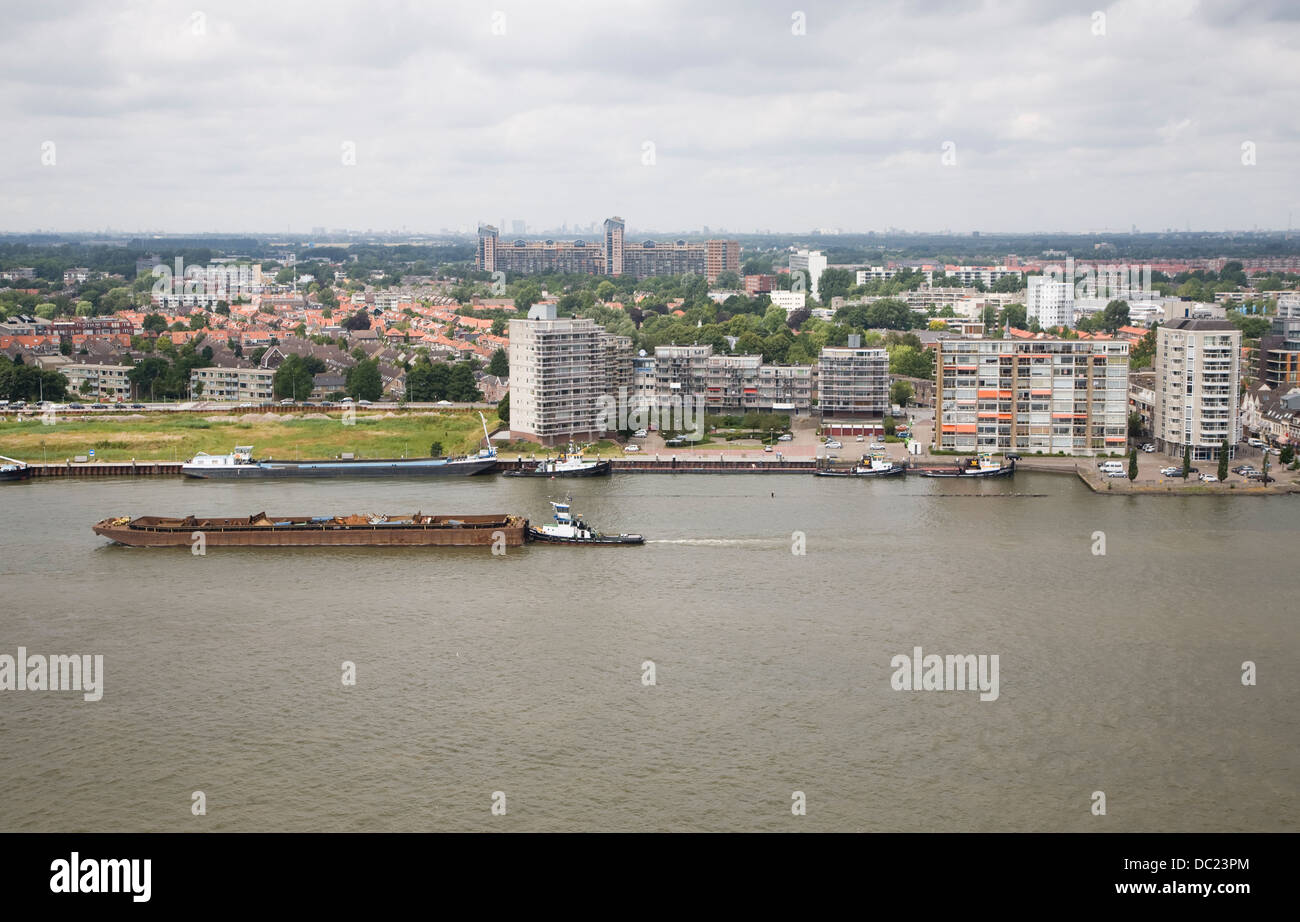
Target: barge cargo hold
{"points": [[262, 530]]}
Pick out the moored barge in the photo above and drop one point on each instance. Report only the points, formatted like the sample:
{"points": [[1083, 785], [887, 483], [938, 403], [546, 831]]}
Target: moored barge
{"points": [[12, 470], [262, 530]]}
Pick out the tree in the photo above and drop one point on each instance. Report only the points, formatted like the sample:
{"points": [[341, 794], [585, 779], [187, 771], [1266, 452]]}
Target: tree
{"points": [[461, 386], [358, 321], [499, 326], [364, 381], [85, 309], [1114, 316], [1134, 424], [1287, 454], [1223, 461], [435, 450], [503, 409], [154, 323], [1187, 462], [889, 425], [500, 364], [910, 362], [834, 283], [295, 377], [900, 392], [1133, 464]]}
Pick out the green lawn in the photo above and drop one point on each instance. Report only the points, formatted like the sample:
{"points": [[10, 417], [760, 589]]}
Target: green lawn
{"points": [[159, 437]]}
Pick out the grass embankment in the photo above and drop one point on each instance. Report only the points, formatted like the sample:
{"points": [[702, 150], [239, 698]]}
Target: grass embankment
{"points": [[158, 437]]}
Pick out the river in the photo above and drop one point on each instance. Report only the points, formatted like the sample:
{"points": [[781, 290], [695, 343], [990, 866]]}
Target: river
{"points": [[523, 674]]}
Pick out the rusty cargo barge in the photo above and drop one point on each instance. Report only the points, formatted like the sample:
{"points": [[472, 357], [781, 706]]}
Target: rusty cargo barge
{"points": [[262, 530]]}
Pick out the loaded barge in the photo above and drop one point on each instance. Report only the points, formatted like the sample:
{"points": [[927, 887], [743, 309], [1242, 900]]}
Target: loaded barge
{"points": [[262, 530]]}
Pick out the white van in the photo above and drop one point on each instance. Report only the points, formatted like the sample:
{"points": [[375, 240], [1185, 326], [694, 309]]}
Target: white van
{"points": [[1114, 469]]}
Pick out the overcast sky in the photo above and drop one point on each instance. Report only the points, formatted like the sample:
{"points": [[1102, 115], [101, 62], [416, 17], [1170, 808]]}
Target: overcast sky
{"points": [[235, 116]]}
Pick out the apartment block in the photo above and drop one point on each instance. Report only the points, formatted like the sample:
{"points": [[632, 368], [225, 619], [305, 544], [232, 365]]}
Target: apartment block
{"points": [[680, 371], [1049, 301], [611, 256], [1040, 395], [785, 388], [1279, 353], [558, 373], [813, 263], [853, 382], [100, 382], [232, 383], [731, 383], [1197, 386]]}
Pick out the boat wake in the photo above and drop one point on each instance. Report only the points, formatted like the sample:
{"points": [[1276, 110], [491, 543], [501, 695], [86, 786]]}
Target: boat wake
{"points": [[719, 542]]}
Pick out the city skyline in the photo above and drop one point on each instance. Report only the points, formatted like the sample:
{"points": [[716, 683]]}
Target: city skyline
{"points": [[1048, 116]]}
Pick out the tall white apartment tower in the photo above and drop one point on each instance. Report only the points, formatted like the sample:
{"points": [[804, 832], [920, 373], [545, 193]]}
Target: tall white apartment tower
{"points": [[1049, 301], [1197, 388], [812, 262], [557, 377]]}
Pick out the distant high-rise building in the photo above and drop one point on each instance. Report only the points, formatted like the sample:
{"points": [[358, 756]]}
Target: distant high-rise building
{"points": [[611, 256], [1049, 301], [518, 227], [614, 228], [813, 263]]}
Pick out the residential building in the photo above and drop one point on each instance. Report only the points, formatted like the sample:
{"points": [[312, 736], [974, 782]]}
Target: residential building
{"points": [[557, 376], [785, 388], [680, 371], [243, 382], [813, 263], [758, 284], [1279, 353], [611, 256], [731, 383], [1049, 301], [790, 300], [1197, 369], [853, 382], [98, 381], [1033, 396]]}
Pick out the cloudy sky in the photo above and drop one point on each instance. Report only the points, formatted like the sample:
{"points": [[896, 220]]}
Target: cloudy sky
{"points": [[266, 116]]}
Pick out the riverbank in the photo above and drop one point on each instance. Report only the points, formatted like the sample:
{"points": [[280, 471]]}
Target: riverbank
{"points": [[155, 437]]}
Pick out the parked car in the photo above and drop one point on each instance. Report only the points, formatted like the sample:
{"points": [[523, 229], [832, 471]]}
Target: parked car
{"points": [[286, 402], [833, 444], [1116, 473], [137, 406], [767, 448], [861, 438], [1209, 478], [18, 404], [785, 438], [346, 400], [76, 406], [1149, 448], [100, 406], [364, 403], [640, 434], [1011, 456], [631, 447], [1170, 471]]}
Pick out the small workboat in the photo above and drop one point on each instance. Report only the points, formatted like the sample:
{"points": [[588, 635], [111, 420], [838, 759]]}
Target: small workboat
{"points": [[982, 465], [874, 464], [571, 464], [13, 470], [571, 529]]}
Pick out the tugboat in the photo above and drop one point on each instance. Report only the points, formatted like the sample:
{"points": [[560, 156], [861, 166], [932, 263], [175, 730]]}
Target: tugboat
{"points": [[13, 470], [571, 529], [875, 464], [982, 465], [570, 465]]}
